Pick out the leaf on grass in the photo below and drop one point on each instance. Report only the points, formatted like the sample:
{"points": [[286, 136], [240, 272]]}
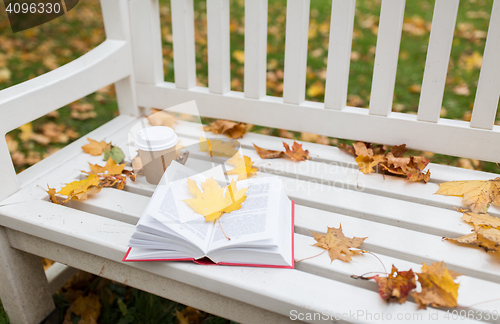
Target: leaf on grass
{"points": [[243, 167], [296, 153], [213, 201], [217, 147], [87, 308], [227, 127], [268, 154], [396, 286], [477, 194], [189, 315], [338, 245], [96, 148], [438, 286]]}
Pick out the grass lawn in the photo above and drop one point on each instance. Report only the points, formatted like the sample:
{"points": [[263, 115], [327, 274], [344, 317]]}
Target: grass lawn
{"points": [[33, 52]]}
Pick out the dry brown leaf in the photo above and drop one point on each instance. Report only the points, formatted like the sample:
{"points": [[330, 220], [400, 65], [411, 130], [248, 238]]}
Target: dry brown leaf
{"points": [[268, 154], [12, 144], [296, 153], [396, 286], [484, 236], [477, 194], [213, 202], [96, 148], [338, 245], [227, 127], [438, 286], [161, 118], [243, 167], [87, 308], [366, 163], [189, 315], [481, 219], [369, 156]]}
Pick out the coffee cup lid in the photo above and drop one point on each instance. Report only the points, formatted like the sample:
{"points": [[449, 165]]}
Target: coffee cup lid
{"points": [[156, 138]]}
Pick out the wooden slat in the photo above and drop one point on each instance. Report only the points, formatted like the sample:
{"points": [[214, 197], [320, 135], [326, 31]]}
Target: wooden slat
{"points": [[488, 89], [219, 74], [438, 56], [386, 56], [339, 53], [183, 37], [297, 31], [397, 128], [146, 40], [105, 64], [255, 48], [269, 289], [115, 14], [152, 281]]}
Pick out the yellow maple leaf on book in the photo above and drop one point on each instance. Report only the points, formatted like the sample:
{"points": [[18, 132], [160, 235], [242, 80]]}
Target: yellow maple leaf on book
{"points": [[243, 167], [212, 202]]}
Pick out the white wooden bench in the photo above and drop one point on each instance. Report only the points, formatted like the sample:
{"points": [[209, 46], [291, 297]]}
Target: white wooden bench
{"points": [[404, 222]]}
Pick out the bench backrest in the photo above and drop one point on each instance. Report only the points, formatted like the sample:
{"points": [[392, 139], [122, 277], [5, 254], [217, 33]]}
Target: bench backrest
{"points": [[425, 131], [132, 57]]}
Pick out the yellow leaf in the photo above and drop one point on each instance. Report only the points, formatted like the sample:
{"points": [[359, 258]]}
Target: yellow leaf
{"points": [[219, 147], [82, 188], [239, 56], [366, 163], [477, 194], [87, 308], [111, 168], [96, 148], [438, 286], [26, 132], [52, 194], [212, 202], [316, 89], [243, 167]]}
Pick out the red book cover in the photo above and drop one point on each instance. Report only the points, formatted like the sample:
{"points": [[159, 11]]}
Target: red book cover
{"points": [[206, 261]]}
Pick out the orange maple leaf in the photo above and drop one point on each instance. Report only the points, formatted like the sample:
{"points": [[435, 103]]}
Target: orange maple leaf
{"points": [[268, 154], [296, 153], [96, 148]]}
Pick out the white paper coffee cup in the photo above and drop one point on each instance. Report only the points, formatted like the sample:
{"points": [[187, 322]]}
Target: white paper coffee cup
{"points": [[156, 147]]}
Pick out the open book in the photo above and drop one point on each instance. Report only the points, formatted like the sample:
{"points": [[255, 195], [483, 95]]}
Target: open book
{"points": [[260, 233]]}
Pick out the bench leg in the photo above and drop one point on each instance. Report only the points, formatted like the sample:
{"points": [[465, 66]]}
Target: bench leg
{"points": [[23, 285]]}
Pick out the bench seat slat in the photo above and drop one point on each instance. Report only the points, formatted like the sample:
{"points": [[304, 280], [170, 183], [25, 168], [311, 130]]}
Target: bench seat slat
{"points": [[108, 238]]}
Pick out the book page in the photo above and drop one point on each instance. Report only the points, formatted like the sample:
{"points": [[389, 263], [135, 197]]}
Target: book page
{"points": [[256, 222]]}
